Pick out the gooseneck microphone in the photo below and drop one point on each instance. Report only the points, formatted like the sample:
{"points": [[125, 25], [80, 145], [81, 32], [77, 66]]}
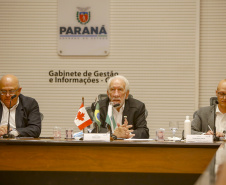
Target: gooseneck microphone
{"points": [[8, 135], [215, 138], [116, 105]]}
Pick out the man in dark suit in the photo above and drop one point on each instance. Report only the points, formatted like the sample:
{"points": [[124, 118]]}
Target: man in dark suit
{"points": [[25, 119], [128, 113], [204, 117]]}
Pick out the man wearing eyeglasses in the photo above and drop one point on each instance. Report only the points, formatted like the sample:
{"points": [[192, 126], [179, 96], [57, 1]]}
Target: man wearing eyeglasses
{"points": [[203, 122], [25, 119]]}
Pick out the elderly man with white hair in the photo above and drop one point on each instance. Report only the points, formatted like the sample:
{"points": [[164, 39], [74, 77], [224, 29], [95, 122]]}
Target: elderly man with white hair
{"points": [[128, 113]]}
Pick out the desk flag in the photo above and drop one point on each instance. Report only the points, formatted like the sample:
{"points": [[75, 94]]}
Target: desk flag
{"points": [[96, 117], [82, 119], [110, 118]]}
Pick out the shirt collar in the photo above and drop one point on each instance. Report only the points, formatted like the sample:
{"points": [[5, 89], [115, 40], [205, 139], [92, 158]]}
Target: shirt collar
{"points": [[121, 109], [218, 111]]}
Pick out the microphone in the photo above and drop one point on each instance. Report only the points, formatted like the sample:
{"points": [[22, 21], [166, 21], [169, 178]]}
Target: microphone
{"points": [[215, 138], [8, 135], [116, 105]]}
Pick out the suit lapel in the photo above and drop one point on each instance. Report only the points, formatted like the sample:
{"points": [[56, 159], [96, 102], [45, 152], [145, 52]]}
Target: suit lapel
{"points": [[19, 116]]}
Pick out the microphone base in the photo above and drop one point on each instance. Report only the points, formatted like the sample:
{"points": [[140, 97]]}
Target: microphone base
{"points": [[215, 138], [8, 136], [114, 137]]}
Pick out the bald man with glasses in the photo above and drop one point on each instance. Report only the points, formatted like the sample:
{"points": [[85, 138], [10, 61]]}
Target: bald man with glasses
{"points": [[203, 122], [25, 119]]}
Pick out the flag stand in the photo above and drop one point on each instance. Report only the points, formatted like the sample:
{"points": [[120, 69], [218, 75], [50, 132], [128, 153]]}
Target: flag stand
{"points": [[83, 130]]}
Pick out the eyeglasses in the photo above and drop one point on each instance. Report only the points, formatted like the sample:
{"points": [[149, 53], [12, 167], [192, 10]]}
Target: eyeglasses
{"points": [[11, 92], [221, 94]]}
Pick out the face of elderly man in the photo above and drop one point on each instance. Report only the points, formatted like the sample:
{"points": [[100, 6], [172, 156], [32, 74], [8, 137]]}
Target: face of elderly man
{"points": [[117, 92], [9, 86]]}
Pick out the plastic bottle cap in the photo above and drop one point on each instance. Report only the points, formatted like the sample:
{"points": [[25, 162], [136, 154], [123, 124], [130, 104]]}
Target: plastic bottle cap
{"points": [[187, 117]]}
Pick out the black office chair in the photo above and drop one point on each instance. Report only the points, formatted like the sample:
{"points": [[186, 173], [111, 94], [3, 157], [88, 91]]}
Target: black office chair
{"points": [[90, 112], [42, 116], [213, 101], [103, 96]]}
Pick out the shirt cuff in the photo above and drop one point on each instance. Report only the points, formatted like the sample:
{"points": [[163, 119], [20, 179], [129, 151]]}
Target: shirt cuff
{"points": [[15, 133]]}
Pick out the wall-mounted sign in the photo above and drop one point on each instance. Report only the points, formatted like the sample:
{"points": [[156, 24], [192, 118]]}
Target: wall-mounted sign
{"points": [[83, 27]]}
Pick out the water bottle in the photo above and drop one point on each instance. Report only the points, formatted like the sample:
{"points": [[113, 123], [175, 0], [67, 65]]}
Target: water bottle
{"points": [[187, 127]]}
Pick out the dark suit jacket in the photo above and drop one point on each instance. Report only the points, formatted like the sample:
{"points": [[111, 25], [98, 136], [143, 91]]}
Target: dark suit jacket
{"points": [[28, 119], [135, 112], [203, 118]]}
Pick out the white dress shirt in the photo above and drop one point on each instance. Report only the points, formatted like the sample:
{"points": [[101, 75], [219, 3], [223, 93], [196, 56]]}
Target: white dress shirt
{"points": [[118, 115], [220, 121], [5, 115]]}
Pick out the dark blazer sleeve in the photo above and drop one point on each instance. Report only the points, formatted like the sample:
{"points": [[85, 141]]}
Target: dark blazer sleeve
{"points": [[203, 118], [136, 116], [28, 119]]}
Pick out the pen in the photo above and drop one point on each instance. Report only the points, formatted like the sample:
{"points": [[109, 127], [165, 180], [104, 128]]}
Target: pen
{"points": [[210, 128]]}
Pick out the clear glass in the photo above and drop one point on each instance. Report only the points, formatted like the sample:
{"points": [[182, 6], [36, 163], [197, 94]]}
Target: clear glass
{"points": [[69, 133], [160, 134], [57, 132], [174, 126]]}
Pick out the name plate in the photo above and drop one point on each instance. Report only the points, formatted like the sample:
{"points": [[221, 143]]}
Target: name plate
{"points": [[199, 139], [96, 137]]}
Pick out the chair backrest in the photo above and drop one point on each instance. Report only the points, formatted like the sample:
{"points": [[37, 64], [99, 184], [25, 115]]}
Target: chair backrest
{"points": [[213, 100], [90, 112], [42, 116], [103, 96]]}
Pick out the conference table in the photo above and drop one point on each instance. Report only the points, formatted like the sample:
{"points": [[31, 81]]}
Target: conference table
{"points": [[69, 161]]}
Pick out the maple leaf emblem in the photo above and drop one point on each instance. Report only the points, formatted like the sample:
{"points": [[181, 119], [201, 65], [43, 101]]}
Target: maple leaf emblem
{"points": [[80, 116]]}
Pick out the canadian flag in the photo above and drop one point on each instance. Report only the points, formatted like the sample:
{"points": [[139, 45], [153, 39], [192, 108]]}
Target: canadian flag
{"points": [[82, 119]]}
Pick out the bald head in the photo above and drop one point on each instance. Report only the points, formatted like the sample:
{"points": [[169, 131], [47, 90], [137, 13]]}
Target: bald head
{"points": [[9, 80], [221, 84], [9, 86]]}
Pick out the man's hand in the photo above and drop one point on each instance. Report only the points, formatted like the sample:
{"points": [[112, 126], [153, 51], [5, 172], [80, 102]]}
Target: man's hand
{"points": [[123, 130], [209, 132], [218, 134], [3, 130]]}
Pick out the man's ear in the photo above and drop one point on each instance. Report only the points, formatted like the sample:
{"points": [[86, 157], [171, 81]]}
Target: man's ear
{"points": [[19, 91]]}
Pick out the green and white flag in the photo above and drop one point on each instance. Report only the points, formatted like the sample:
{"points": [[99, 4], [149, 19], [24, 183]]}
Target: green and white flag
{"points": [[110, 118]]}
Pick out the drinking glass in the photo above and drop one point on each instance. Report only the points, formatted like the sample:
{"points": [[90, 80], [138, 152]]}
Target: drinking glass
{"points": [[69, 133], [174, 125], [57, 132]]}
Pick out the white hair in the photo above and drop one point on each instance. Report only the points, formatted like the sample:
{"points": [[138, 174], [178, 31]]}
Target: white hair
{"points": [[118, 77]]}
